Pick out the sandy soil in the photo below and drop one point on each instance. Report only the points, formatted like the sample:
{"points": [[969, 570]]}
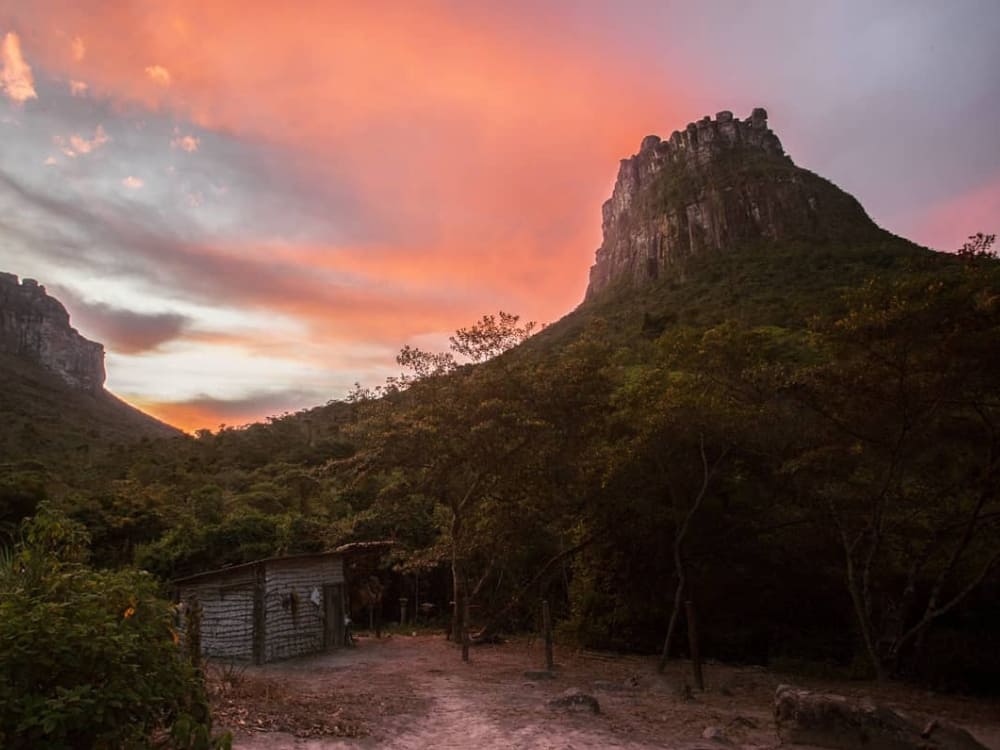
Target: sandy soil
{"points": [[406, 692]]}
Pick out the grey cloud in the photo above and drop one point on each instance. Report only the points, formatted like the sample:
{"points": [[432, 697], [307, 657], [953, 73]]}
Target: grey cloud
{"points": [[120, 330], [136, 241], [273, 403]]}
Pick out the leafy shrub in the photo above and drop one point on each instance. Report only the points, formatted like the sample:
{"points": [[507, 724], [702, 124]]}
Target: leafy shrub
{"points": [[89, 658]]}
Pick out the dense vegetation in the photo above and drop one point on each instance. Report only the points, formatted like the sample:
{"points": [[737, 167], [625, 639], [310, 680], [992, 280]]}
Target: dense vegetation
{"points": [[43, 420], [89, 657], [802, 439]]}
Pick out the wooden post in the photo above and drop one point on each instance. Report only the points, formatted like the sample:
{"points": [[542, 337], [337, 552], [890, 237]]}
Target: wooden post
{"points": [[547, 629], [464, 628], [692, 619]]}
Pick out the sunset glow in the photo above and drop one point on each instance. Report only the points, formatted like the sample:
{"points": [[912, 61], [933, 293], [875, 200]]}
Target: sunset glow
{"points": [[254, 205]]}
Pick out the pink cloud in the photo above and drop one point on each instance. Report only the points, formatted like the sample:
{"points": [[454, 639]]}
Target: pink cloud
{"points": [[133, 183], [80, 145], [947, 225], [158, 75], [15, 74]]}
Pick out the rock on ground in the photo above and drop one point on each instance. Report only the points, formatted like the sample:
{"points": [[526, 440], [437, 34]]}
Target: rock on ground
{"points": [[832, 721], [575, 699]]}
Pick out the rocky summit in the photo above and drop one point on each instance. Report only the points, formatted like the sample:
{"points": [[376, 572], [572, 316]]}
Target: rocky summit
{"points": [[35, 326], [718, 184]]}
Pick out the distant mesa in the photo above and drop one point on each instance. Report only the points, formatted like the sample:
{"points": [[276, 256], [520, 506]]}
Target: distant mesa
{"points": [[35, 327], [717, 184]]}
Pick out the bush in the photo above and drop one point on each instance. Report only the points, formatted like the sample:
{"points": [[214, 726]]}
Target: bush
{"points": [[89, 657]]}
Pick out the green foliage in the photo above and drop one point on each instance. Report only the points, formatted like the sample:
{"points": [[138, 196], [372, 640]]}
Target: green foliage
{"points": [[20, 493], [89, 657], [242, 537]]}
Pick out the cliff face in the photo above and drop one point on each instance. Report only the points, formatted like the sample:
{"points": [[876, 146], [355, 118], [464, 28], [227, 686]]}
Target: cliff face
{"points": [[36, 327], [714, 186]]}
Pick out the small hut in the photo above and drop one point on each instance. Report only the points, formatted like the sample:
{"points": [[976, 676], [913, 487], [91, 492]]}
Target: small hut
{"points": [[269, 609]]}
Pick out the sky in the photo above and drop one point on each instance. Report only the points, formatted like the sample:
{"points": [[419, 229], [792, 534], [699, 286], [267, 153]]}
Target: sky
{"points": [[254, 205]]}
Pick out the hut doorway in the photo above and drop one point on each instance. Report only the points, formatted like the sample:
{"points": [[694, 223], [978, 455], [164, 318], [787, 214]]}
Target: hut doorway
{"points": [[333, 615]]}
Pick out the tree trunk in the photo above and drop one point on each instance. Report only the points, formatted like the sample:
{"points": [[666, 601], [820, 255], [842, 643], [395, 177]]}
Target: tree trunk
{"points": [[864, 620], [672, 625], [457, 579], [682, 530], [457, 599], [490, 628]]}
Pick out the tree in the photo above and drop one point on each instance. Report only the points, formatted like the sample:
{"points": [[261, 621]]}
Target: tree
{"points": [[902, 450], [491, 336], [977, 247], [455, 437], [90, 658], [485, 339]]}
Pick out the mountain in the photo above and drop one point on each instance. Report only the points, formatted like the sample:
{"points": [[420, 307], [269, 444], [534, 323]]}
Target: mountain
{"points": [[716, 186], [53, 403], [717, 223], [35, 327]]}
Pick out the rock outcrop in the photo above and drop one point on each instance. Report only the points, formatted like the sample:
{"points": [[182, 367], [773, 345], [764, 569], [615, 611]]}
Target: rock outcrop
{"points": [[36, 327], [716, 185], [833, 721]]}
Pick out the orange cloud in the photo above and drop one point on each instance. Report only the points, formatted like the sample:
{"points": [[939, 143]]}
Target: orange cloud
{"points": [[475, 150], [78, 49], [78, 88], [488, 143], [158, 75], [210, 413], [191, 416], [80, 145], [425, 106], [15, 74]]}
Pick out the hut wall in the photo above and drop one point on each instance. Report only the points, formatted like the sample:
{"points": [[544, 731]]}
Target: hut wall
{"points": [[294, 624], [226, 614]]}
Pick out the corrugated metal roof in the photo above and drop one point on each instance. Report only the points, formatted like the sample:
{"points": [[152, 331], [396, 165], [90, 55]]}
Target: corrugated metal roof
{"points": [[350, 547], [244, 566]]}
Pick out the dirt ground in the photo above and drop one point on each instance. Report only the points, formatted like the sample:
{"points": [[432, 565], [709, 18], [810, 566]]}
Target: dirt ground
{"points": [[407, 692]]}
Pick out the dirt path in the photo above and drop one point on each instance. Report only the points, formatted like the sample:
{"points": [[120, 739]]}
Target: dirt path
{"points": [[405, 693]]}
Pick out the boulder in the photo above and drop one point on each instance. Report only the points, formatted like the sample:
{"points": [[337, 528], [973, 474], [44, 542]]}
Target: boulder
{"points": [[576, 700], [833, 721]]}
